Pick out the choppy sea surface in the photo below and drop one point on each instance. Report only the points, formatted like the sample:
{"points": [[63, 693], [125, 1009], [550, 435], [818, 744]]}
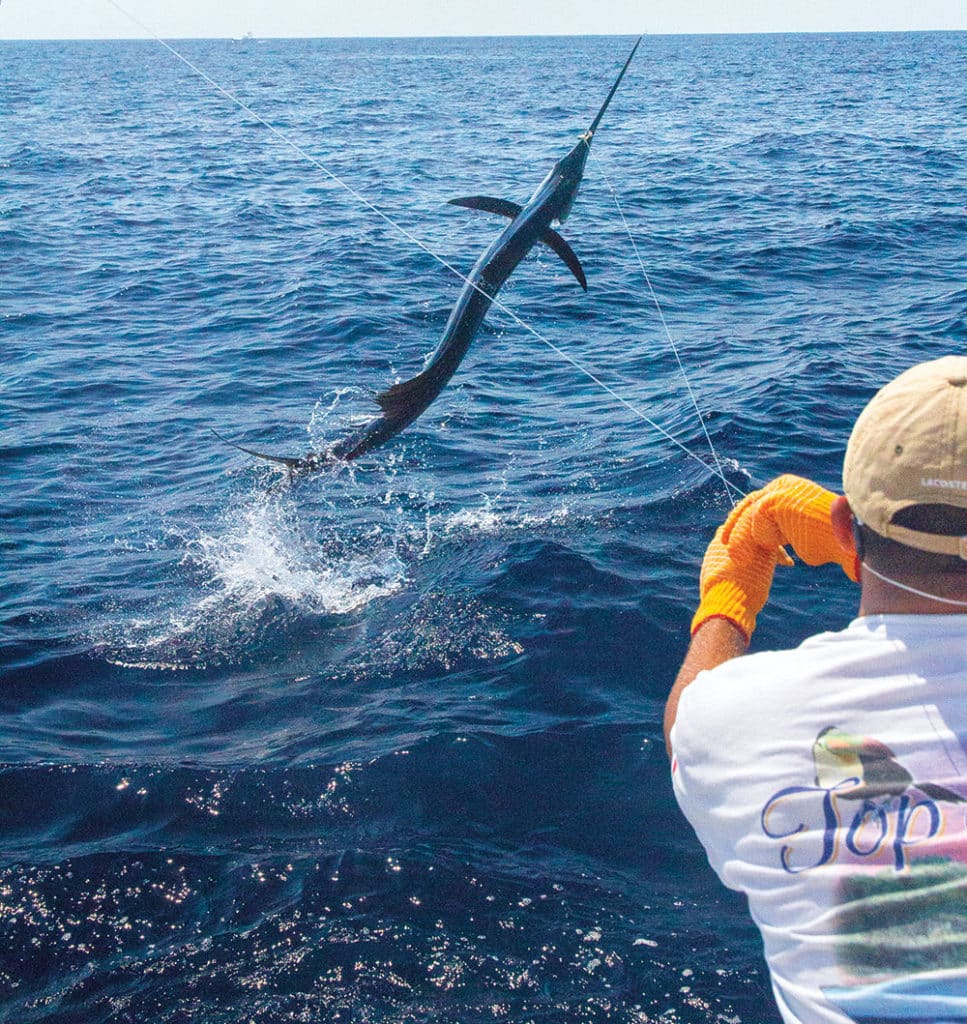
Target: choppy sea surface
{"points": [[383, 743]]}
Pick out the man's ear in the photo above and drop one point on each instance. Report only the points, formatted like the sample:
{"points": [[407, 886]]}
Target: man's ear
{"points": [[841, 516]]}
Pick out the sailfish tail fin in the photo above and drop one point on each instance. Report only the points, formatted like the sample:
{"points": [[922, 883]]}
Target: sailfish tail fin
{"points": [[283, 460]]}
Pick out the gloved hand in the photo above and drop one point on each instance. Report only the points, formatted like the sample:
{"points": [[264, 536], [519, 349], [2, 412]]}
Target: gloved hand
{"points": [[741, 560]]}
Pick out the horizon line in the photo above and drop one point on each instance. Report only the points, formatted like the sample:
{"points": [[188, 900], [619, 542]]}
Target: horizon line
{"points": [[251, 37]]}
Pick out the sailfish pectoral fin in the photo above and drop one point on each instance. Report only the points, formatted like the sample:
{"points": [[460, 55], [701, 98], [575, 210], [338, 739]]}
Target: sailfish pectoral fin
{"points": [[502, 207], [567, 254], [505, 208]]}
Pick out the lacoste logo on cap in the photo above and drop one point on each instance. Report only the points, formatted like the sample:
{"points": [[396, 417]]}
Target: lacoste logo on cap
{"points": [[950, 485]]}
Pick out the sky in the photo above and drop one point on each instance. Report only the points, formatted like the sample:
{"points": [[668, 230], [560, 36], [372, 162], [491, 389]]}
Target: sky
{"points": [[99, 19]]}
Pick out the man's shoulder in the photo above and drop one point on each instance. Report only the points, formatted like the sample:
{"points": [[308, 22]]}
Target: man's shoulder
{"points": [[874, 649], [801, 658], [766, 682]]}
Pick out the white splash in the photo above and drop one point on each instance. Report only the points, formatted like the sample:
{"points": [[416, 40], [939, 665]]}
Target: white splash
{"points": [[264, 554], [259, 561]]}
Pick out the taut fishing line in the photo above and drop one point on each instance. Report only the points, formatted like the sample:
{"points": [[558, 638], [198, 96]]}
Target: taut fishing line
{"points": [[668, 334], [715, 470]]}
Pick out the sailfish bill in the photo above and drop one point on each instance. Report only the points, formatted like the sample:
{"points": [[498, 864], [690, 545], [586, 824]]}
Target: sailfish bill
{"points": [[530, 223]]}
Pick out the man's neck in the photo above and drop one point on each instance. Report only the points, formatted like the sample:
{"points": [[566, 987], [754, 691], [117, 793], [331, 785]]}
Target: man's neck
{"points": [[911, 596]]}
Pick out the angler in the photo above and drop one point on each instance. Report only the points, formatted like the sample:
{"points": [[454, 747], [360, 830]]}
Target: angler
{"points": [[550, 205]]}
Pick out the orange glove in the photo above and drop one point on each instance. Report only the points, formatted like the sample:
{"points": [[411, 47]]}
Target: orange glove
{"points": [[740, 562]]}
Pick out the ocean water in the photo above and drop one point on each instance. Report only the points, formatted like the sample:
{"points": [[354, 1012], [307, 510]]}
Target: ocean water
{"points": [[384, 743]]}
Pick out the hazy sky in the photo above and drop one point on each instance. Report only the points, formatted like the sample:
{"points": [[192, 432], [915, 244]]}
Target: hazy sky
{"points": [[96, 19]]}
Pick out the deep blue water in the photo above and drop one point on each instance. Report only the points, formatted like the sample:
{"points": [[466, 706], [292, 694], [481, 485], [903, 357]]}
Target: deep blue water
{"points": [[384, 744]]}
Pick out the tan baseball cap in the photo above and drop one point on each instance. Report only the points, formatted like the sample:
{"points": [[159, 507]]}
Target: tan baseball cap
{"points": [[909, 447]]}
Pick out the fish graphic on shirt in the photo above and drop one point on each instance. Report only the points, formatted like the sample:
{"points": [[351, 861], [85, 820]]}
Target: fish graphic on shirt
{"points": [[839, 755]]}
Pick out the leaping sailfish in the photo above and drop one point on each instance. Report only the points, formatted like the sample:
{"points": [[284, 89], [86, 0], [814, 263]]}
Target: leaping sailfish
{"points": [[550, 205]]}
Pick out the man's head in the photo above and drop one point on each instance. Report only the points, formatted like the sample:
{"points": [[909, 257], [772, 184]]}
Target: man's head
{"points": [[905, 475]]}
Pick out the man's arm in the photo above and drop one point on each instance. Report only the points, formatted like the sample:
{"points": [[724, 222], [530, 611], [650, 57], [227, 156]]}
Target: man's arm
{"points": [[715, 641], [739, 564]]}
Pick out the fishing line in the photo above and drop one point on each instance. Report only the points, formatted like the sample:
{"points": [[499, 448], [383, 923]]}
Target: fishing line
{"points": [[282, 137], [668, 335], [715, 470]]}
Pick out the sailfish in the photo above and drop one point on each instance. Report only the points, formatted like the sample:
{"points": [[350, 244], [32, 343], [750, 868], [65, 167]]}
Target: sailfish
{"points": [[535, 221]]}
